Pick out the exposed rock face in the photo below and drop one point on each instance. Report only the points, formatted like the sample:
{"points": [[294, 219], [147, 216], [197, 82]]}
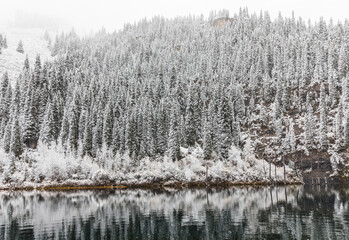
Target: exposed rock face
{"points": [[220, 22], [316, 168]]}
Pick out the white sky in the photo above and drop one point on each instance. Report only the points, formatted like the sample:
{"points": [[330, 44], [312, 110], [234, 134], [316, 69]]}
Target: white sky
{"points": [[112, 14]]}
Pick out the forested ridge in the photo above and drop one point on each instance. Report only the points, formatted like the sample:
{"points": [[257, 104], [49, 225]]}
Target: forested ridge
{"points": [[275, 86]]}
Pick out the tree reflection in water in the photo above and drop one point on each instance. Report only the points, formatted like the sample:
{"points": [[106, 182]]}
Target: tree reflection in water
{"points": [[294, 212]]}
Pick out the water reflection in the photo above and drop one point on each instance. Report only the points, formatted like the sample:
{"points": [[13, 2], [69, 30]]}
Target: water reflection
{"points": [[235, 213]]}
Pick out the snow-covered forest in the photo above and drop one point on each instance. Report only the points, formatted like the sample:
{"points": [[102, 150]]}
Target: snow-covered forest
{"points": [[235, 92]]}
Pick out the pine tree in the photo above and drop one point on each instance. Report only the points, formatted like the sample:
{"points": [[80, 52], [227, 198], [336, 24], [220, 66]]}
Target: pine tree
{"points": [[346, 130], [108, 125], [173, 138], [20, 47], [161, 133], [73, 135], [292, 136], [342, 62], [286, 96], [263, 114], [309, 126], [97, 131], [225, 127], [64, 129], [26, 63], [7, 138], [339, 125], [207, 139], [4, 91], [5, 42], [190, 123], [46, 132], [30, 128], [16, 145], [332, 86], [87, 141], [286, 144], [323, 119], [5, 103], [116, 136]]}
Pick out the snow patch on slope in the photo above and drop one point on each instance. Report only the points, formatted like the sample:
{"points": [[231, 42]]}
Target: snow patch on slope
{"points": [[33, 44]]}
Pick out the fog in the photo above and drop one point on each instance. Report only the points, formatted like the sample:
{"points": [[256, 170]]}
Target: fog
{"points": [[87, 15]]}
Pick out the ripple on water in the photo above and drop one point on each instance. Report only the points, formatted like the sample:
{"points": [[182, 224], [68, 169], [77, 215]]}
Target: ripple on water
{"points": [[234, 213]]}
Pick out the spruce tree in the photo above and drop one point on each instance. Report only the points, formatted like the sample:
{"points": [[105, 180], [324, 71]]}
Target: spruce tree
{"points": [[87, 141], [16, 145], [5, 42], [26, 63], [225, 127], [30, 128], [73, 134], [108, 125], [207, 139], [190, 123], [7, 138], [292, 136], [20, 47], [339, 125], [173, 138], [323, 119], [46, 132], [309, 126]]}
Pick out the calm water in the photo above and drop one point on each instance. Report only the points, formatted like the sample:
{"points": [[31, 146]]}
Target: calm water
{"points": [[235, 213]]}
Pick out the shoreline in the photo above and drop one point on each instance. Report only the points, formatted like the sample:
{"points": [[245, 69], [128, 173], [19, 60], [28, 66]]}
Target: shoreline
{"points": [[150, 186]]}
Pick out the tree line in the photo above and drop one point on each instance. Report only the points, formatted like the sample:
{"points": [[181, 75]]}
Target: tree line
{"points": [[162, 84]]}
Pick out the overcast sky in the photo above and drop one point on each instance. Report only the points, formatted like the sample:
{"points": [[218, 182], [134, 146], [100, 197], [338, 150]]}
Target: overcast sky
{"points": [[112, 14]]}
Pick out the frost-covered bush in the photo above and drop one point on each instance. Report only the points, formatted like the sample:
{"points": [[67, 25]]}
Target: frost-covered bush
{"points": [[50, 166]]}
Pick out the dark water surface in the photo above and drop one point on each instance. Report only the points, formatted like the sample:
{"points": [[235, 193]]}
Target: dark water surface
{"points": [[295, 212]]}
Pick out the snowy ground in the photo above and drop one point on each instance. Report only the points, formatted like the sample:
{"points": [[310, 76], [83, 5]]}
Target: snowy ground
{"points": [[51, 167], [33, 44]]}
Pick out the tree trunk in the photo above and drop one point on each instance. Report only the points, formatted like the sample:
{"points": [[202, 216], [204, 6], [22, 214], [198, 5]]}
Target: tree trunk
{"points": [[270, 170], [206, 173], [275, 170], [283, 162]]}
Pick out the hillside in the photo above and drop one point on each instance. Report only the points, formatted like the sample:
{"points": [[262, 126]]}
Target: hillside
{"points": [[245, 95], [34, 43]]}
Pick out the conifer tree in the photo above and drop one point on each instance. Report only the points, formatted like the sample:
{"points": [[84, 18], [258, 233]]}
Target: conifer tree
{"points": [[26, 63], [161, 133], [207, 139], [64, 129], [190, 120], [47, 128], [16, 145], [292, 136], [87, 141], [7, 138], [173, 138], [339, 125], [309, 125], [30, 128], [323, 119], [20, 47], [97, 130], [5, 42], [73, 134], [116, 144], [108, 125], [225, 127]]}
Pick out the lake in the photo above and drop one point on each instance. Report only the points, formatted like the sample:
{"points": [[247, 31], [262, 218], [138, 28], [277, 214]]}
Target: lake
{"points": [[293, 212]]}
